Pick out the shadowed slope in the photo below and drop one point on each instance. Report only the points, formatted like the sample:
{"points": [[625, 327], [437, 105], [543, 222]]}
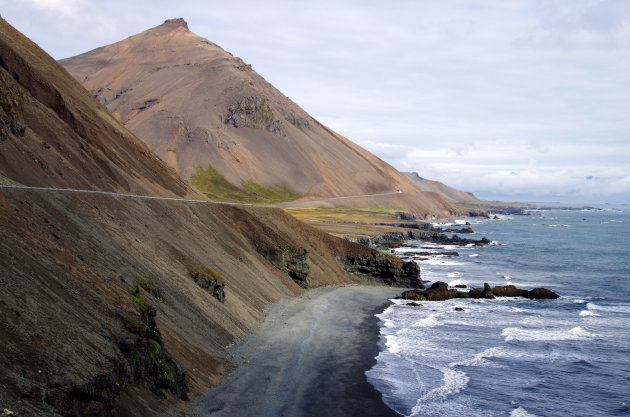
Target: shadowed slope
{"points": [[63, 134]]}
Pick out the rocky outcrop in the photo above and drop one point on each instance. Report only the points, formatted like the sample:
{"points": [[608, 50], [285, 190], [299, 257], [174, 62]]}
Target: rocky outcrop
{"points": [[440, 291], [289, 258], [210, 281], [142, 360], [253, 112], [11, 119], [382, 268], [395, 239], [512, 291]]}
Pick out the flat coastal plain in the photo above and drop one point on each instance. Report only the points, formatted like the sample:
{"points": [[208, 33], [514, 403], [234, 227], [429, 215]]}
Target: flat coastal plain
{"points": [[307, 358]]}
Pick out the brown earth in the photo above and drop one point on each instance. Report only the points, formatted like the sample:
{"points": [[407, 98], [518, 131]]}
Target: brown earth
{"points": [[113, 305], [198, 105]]}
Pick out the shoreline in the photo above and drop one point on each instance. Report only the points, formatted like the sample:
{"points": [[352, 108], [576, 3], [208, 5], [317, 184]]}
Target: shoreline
{"points": [[308, 358]]}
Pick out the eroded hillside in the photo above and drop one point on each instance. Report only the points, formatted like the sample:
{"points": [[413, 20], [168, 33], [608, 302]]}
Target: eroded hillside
{"points": [[112, 305]]}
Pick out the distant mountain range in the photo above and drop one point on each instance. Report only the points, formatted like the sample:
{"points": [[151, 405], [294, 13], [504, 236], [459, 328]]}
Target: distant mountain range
{"points": [[231, 133]]}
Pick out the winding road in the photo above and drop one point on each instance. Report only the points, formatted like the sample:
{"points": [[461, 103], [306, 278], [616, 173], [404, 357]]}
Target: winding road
{"points": [[148, 197]]}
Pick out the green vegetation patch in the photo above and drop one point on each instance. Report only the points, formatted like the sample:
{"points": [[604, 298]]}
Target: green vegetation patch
{"points": [[211, 281], [214, 185], [11, 120], [347, 214]]}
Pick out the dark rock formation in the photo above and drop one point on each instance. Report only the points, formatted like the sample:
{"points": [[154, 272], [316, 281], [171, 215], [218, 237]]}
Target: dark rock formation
{"points": [[210, 281], [383, 267], [542, 294], [142, 360], [253, 112], [289, 258], [439, 291], [457, 230], [536, 293], [395, 239], [487, 291], [447, 253], [11, 119]]}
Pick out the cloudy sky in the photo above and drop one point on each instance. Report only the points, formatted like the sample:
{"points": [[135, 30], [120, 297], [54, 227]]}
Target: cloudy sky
{"points": [[512, 99]]}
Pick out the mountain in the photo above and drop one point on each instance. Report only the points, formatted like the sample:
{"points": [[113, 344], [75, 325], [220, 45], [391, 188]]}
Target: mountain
{"points": [[116, 305], [454, 194], [219, 123], [65, 137]]}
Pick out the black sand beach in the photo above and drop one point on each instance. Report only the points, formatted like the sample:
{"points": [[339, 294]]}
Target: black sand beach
{"points": [[308, 358]]}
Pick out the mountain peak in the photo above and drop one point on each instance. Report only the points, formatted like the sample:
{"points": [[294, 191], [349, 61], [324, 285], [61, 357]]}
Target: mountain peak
{"points": [[175, 23]]}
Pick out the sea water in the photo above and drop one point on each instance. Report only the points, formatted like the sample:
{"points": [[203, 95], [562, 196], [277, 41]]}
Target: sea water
{"points": [[512, 356]]}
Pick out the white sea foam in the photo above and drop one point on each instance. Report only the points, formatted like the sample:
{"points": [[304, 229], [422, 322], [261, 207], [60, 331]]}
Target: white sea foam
{"points": [[536, 335], [454, 274], [440, 261], [581, 332], [453, 381], [507, 277], [473, 255], [480, 358], [457, 282], [589, 313], [612, 309], [392, 344], [521, 412], [430, 321], [579, 301]]}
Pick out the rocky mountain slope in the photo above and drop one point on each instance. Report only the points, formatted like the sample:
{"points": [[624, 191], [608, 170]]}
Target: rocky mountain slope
{"points": [[112, 305], [207, 112]]}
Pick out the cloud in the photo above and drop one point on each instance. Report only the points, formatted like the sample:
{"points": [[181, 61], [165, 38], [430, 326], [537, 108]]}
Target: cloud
{"points": [[69, 8], [465, 91]]}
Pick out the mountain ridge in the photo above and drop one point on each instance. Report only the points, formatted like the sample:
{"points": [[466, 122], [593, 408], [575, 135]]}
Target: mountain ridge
{"points": [[198, 106]]}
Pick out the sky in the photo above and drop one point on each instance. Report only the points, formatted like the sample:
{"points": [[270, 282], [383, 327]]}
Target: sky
{"points": [[521, 100]]}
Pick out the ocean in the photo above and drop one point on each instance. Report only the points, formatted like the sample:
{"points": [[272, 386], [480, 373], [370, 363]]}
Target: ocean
{"points": [[512, 356]]}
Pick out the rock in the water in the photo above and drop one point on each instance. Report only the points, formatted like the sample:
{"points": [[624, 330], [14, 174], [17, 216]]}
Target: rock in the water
{"points": [[458, 309], [487, 291], [542, 293], [439, 291], [509, 291]]}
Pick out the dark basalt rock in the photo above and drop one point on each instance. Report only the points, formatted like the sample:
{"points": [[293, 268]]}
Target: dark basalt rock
{"points": [[396, 239], [542, 294], [142, 360], [487, 291], [210, 281], [11, 119], [255, 113], [291, 259], [383, 267], [439, 291]]}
